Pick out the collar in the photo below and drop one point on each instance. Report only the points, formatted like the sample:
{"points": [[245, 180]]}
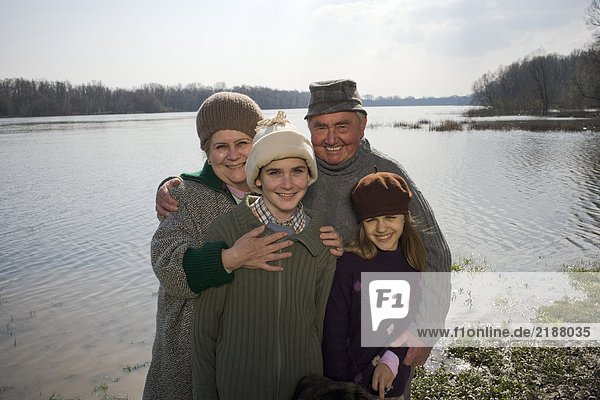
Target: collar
{"points": [[207, 177], [297, 222], [238, 195]]}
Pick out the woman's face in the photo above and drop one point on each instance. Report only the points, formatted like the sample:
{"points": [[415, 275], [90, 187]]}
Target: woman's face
{"points": [[228, 152], [385, 231]]}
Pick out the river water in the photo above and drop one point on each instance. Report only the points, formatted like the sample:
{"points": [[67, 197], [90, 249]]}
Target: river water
{"points": [[77, 292]]}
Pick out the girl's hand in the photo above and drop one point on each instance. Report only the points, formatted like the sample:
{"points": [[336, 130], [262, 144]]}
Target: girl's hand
{"points": [[382, 379]]}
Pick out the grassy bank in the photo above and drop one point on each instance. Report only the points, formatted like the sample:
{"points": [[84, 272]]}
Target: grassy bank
{"points": [[523, 372], [512, 373]]}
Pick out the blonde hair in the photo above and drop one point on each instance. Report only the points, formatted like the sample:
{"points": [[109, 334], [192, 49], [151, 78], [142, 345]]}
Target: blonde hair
{"points": [[410, 243]]}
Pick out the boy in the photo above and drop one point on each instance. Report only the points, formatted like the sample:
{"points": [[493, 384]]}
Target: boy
{"points": [[257, 336]]}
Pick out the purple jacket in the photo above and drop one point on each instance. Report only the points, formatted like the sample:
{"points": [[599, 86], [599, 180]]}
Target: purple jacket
{"points": [[343, 357]]}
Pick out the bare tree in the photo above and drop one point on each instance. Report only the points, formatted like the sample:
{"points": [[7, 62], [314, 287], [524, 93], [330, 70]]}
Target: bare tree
{"points": [[484, 90], [587, 80], [592, 17]]}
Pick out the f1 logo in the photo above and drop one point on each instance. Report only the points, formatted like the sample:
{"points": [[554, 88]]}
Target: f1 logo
{"points": [[388, 300]]}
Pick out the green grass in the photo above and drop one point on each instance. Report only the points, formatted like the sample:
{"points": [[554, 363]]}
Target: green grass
{"points": [[446, 126], [101, 391], [584, 276], [470, 264], [512, 373], [507, 373]]}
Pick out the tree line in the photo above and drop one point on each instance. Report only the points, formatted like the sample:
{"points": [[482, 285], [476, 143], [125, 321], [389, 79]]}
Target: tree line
{"points": [[543, 82], [31, 98]]}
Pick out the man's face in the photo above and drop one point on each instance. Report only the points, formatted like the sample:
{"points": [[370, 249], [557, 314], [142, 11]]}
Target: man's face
{"points": [[335, 137]]}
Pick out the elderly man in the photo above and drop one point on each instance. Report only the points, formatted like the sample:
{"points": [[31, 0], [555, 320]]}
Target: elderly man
{"points": [[337, 122]]}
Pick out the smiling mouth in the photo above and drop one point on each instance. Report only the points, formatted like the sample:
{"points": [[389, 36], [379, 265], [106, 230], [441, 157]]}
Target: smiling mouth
{"points": [[236, 166], [332, 148], [286, 195], [383, 238]]}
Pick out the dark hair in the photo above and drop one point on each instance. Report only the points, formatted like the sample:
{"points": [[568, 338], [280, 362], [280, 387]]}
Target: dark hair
{"points": [[317, 387]]}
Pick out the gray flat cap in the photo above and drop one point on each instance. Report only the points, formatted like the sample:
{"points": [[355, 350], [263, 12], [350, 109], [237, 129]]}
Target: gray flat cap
{"points": [[328, 97]]}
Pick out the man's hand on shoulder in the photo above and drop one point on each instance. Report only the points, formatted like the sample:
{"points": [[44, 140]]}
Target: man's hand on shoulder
{"points": [[165, 203]]}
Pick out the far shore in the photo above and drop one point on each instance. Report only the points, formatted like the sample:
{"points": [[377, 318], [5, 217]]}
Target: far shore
{"points": [[476, 120], [538, 125]]}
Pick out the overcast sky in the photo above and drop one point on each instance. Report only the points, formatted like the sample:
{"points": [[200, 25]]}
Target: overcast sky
{"points": [[390, 47]]}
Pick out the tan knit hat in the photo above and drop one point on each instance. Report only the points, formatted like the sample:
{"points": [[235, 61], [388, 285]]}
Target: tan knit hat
{"points": [[379, 194], [226, 110], [276, 139]]}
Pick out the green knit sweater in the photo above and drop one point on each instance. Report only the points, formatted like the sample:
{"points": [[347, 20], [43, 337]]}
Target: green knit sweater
{"points": [[257, 336]]}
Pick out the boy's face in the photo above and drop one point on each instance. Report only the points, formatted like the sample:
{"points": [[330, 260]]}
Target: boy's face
{"points": [[283, 183], [385, 231]]}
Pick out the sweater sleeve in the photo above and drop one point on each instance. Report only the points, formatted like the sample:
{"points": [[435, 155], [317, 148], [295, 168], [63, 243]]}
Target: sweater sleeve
{"points": [[435, 298], [204, 268], [181, 262], [336, 360]]}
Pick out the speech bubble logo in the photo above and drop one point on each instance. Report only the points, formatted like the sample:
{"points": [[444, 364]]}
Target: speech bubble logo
{"points": [[389, 300]]}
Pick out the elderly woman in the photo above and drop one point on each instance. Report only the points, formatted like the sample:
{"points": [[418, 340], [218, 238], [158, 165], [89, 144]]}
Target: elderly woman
{"points": [[184, 264]]}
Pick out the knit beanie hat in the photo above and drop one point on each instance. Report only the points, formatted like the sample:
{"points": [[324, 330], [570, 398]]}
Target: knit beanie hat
{"points": [[226, 110], [379, 194], [328, 97], [276, 139]]}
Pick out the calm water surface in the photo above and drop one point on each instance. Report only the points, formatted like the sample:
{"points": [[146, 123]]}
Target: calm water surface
{"points": [[77, 292]]}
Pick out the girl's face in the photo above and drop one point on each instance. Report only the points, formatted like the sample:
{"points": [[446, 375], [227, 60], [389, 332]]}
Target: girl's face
{"points": [[385, 231], [227, 154], [283, 183]]}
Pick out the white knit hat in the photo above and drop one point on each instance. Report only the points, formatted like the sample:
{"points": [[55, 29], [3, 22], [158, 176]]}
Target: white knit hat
{"points": [[276, 139]]}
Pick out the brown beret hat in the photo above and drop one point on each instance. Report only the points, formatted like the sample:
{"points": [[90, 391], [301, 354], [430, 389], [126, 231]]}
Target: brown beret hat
{"points": [[379, 194]]}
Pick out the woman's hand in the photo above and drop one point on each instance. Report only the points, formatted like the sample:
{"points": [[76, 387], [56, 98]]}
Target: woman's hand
{"points": [[330, 237], [382, 379], [253, 252], [165, 203]]}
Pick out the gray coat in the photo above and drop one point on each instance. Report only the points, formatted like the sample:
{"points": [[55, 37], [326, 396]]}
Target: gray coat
{"points": [[202, 197]]}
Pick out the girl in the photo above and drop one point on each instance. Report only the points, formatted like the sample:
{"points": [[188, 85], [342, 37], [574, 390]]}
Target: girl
{"points": [[388, 241]]}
